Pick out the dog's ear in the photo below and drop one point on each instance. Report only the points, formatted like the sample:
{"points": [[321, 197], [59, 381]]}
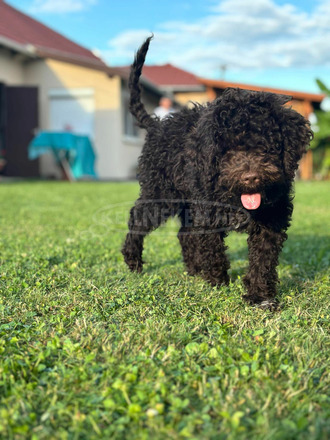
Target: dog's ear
{"points": [[297, 135], [277, 98], [295, 129]]}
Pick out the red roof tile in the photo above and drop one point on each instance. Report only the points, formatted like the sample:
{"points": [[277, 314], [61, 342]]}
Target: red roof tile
{"points": [[166, 75], [24, 30]]}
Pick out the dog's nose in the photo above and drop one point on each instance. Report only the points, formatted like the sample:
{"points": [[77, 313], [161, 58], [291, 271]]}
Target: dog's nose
{"points": [[250, 178]]}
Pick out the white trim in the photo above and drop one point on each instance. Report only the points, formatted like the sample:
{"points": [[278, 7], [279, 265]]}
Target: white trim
{"points": [[71, 93], [82, 99], [131, 140], [26, 49], [182, 88]]}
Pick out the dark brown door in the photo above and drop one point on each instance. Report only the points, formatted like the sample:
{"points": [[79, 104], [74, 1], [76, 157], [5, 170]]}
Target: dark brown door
{"points": [[21, 121]]}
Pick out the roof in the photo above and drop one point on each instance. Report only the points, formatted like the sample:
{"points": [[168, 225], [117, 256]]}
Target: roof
{"points": [[216, 84], [24, 34], [167, 77]]}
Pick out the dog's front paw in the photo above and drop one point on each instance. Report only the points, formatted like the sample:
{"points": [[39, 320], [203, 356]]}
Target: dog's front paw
{"points": [[134, 265], [132, 259]]}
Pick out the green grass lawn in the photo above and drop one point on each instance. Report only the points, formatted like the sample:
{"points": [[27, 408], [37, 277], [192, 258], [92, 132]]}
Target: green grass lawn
{"points": [[89, 350]]}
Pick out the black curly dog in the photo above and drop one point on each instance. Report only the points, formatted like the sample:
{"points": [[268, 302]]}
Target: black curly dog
{"points": [[228, 165]]}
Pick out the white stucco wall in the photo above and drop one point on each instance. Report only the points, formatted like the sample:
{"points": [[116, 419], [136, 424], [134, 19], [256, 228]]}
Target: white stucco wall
{"points": [[130, 152], [52, 75], [11, 68]]}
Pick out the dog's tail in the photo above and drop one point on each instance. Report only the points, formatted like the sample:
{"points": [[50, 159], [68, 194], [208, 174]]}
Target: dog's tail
{"points": [[135, 104]]}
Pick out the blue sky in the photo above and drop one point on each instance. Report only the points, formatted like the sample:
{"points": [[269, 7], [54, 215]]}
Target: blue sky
{"points": [[277, 43]]}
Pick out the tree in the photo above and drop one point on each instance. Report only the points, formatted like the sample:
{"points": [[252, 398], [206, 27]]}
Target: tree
{"points": [[321, 141]]}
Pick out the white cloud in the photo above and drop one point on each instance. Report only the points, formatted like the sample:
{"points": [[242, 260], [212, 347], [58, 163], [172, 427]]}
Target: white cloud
{"points": [[60, 6], [240, 34]]}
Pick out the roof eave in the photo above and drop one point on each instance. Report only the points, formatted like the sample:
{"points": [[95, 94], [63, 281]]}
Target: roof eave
{"points": [[26, 49], [182, 88], [302, 96], [124, 74], [34, 52], [72, 59]]}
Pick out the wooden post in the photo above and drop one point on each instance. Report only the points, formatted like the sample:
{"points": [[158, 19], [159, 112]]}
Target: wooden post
{"points": [[211, 94], [306, 166]]}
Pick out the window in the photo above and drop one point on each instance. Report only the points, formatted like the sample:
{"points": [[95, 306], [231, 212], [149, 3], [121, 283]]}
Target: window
{"points": [[130, 126], [72, 110]]}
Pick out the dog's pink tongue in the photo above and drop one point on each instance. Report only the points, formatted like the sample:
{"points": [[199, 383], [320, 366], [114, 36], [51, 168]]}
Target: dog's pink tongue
{"points": [[251, 201]]}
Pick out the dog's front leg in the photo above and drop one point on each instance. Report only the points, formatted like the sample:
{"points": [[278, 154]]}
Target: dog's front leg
{"points": [[264, 246], [145, 216]]}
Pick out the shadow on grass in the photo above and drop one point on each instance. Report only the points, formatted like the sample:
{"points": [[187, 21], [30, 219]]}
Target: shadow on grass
{"points": [[309, 252], [301, 260]]}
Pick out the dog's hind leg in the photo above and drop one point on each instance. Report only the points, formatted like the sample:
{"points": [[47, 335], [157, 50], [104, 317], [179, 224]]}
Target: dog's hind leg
{"points": [[204, 253], [145, 216]]}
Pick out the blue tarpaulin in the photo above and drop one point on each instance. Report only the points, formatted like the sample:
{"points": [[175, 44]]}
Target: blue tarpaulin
{"points": [[78, 151]]}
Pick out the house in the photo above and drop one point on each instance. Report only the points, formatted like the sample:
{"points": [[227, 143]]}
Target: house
{"points": [[48, 82]]}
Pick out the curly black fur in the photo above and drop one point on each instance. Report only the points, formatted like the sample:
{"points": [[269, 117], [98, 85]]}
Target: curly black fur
{"points": [[198, 162]]}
